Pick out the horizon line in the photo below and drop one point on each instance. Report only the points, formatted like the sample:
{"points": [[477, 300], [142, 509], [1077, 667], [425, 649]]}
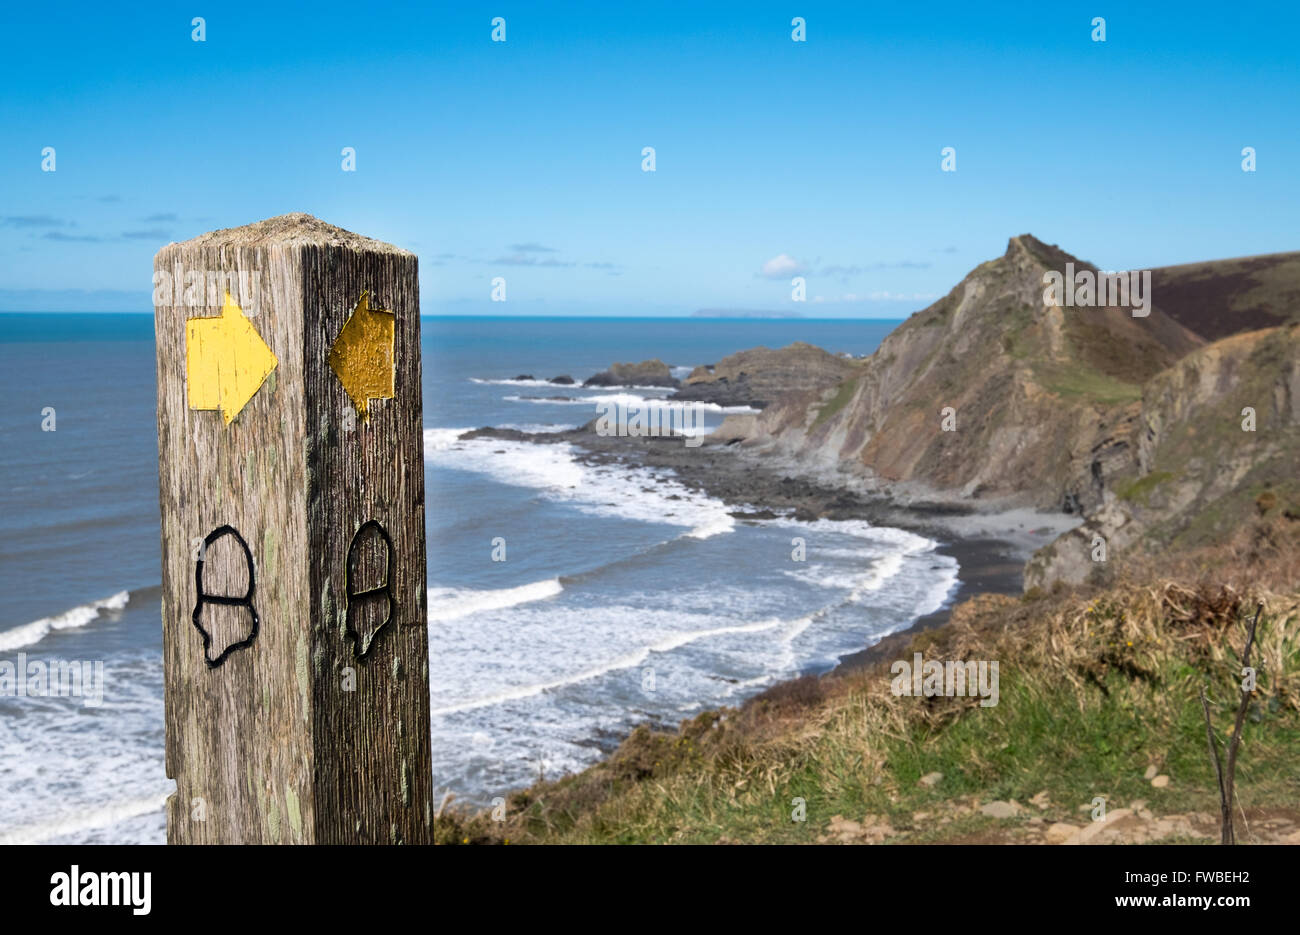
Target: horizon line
{"points": [[682, 317]]}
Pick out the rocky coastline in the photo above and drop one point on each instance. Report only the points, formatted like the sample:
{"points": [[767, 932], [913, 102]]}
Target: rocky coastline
{"points": [[991, 546], [1119, 493]]}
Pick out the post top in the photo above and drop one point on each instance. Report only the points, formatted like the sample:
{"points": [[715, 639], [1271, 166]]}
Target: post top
{"points": [[290, 230]]}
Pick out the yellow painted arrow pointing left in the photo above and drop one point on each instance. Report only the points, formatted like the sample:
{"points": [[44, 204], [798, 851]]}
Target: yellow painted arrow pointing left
{"points": [[226, 361], [362, 355]]}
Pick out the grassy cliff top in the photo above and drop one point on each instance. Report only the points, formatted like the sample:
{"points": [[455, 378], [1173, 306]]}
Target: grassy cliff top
{"points": [[1098, 699]]}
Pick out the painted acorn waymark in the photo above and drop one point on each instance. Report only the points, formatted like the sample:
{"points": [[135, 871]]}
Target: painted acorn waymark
{"points": [[363, 605], [224, 646]]}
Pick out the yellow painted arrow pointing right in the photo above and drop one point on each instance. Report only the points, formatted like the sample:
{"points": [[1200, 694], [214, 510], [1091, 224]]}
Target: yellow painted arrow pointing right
{"points": [[226, 361]]}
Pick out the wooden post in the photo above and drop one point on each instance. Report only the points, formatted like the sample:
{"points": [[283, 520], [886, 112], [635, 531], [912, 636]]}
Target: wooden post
{"points": [[291, 482]]}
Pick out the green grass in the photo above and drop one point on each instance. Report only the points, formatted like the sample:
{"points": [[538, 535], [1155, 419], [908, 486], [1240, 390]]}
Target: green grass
{"points": [[1141, 489], [843, 393], [1080, 715], [1039, 737], [1092, 385]]}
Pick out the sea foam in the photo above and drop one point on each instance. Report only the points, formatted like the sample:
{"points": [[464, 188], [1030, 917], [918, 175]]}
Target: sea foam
{"points": [[32, 633], [451, 603], [637, 493]]}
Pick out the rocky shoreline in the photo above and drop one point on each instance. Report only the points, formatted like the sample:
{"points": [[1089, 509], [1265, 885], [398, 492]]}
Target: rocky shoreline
{"points": [[1035, 443], [991, 547]]}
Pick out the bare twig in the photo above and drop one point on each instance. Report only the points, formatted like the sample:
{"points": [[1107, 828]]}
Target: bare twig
{"points": [[1225, 817], [1228, 837]]}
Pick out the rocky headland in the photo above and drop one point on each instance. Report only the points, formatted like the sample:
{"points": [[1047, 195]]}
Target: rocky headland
{"points": [[1155, 432]]}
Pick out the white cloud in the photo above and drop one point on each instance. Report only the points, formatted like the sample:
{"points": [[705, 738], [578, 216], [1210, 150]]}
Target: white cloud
{"points": [[781, 266]]}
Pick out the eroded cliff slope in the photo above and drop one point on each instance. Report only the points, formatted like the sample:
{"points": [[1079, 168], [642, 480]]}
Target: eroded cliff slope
{"points": [[998, 395], [991, 392]]}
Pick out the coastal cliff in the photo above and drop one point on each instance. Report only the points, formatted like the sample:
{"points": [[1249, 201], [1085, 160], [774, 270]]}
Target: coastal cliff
{"points": [[1037, 393], [1218, 442], [995, 396]]}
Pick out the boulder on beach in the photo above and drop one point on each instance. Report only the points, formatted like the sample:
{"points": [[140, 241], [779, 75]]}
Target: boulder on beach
{"points": [[564, 380]]}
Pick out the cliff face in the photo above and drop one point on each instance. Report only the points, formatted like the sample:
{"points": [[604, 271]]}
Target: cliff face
{"points": [[1040, 401], [995, 393], [1218, 441]]}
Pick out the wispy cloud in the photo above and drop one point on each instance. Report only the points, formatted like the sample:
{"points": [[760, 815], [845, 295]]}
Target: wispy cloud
{"points": [[167, 218], [155, 234], [857, 269], [522, 259], [529, 253], [35, 220], [61, 237], [879, 296]]}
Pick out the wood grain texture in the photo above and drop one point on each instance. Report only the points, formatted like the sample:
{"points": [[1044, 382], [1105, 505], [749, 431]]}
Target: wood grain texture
{"points": [[294, 739]]}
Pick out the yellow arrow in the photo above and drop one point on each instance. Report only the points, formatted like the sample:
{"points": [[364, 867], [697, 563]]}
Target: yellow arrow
{"points": [[226, 361], [362, 355]]}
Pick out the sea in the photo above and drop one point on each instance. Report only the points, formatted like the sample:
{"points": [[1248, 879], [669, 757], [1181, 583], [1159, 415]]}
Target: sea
{"points": [[568, 602]]}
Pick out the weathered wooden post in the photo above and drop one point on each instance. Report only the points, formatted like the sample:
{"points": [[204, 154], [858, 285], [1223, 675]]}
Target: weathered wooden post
{"points": [[291, 482]]}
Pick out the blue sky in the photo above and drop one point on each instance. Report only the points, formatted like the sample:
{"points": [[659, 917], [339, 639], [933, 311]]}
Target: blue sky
{"points": [[523, 159]]}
